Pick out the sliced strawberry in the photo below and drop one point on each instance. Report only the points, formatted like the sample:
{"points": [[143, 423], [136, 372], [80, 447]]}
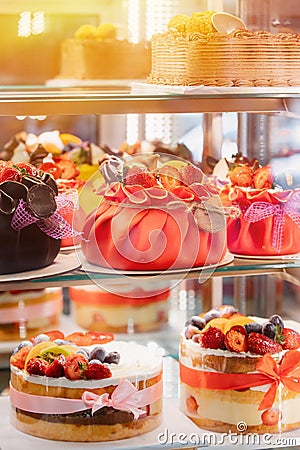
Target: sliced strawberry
{"points": [[55, 334], [241, 176], [68, 169], [10, 174], [51, 168], [96, 371], [190, 174], [37, 366], [27, 169], [236, 339], [19, 358], [260, 344], [99, 337], [79, 338], [191, 404], [141, 176], [75, 366], [271, 416], [57, 368], [169, 177], [213, 337], [262, 178], [291, 339]]}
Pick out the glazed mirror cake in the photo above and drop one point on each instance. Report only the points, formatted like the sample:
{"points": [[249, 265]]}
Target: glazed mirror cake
{"points": [[191, 52], [85, 387], [235, 368]]}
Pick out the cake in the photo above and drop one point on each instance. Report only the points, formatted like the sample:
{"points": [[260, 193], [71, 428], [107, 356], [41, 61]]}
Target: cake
{"points": [[133, 307], [154, 216], [267, 222], [191, 52], [237, 370], [31, 228], [24, 314], [85, 387], [90, 56]]}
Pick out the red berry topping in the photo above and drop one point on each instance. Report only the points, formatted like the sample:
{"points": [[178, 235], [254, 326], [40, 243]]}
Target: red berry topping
{"points": [[57, 368], [55, 334], [19, 358], [271, 416], [236, 339], [96, 371], [75, 366], [27, 169], [241, 176], [191, 404], [262, 178], [290, 339], [10, 174], [213, 337], [260, 344], [169, 177], [141, 176], [89, 338], [51, 168], [37, 366], [68, 169]]}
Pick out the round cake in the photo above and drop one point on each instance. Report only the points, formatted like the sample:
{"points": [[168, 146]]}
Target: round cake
{"points": [[154, 217], [239, 373], [85, 387], [135, 307], [24, 314], [192, 52]]}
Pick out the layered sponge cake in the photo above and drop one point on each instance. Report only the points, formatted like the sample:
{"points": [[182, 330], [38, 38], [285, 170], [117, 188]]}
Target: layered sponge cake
{"points": [[237, 369], [85, 387]]}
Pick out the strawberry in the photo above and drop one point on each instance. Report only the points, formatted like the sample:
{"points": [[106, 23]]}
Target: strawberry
{"points": [[19, 358], [262, 178], [290, 339], [37, 366], [79, 338], [57, 368], [51, 168], [236, 339], [260, 344], [75, 366], [68, 169], [10, 174], [191, 404], [96, 371], [27, 169], [55, 334], [169, 177], [271, 416], [140, 175], [213, 337], [100, 337], [190, 174], [241, 176]]}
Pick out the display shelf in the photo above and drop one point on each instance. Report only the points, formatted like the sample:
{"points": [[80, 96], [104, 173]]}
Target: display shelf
{"points": [[43, 100]]}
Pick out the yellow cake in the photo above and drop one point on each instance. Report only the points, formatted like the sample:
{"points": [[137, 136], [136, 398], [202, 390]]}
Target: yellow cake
{"points": [[191, 54]]}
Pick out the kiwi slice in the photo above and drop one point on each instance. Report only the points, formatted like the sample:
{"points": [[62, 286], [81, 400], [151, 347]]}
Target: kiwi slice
{"points": [[51, 353]]}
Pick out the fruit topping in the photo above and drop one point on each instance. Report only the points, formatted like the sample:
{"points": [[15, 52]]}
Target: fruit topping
{"points": [[51, 353], [190, 331], [197, 321], [212, 314], [112, 358], [212, 338], [262, 178], [52, 168], [227, 311], [84, 352], [19, 358], [97, 371], [237, 320], [140, 175], [276, 320], [21, 345], [291, 339], [75, 366], [97, 353], [236, 339], [218, 322], [10, 174], [89, 338], [169, 177], [57, 368], [191, 404], [268, 329], [253, 327], [68, 170], [241, 176], [260, 344], [55, 334], [41, 338], [36, 366], [271, 416]]}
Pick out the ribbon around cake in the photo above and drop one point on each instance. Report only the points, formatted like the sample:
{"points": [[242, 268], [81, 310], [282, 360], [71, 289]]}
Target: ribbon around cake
{"points": [[125, 397], [268, 372]]}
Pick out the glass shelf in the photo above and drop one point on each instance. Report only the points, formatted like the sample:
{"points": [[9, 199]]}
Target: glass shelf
{"points": [[44, 100]]}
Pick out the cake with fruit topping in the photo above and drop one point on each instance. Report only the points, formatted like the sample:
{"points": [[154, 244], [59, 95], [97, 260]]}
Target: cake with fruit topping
{"points": [[193, 52], [137, 307], [85, 387], [239, 369], [97, 53], [154, 216], [24, 314], [268, 220], [31, 227]]}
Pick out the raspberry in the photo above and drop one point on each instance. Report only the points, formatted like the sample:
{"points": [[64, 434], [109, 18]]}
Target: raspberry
{"points": [[97, 372], [213, 337], [37, 366], [56, 368]]}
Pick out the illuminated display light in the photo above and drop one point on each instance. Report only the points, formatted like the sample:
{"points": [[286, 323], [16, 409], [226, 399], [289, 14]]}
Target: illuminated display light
{"points": [[133, 20], [38, 23], [24, 24], [132, 128]]}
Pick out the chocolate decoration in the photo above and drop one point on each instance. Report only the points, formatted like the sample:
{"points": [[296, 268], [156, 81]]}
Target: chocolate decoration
{"points": [[41, 201], [14, 189], [7, 204], [37, 156], [46, 178], [30, 181]]}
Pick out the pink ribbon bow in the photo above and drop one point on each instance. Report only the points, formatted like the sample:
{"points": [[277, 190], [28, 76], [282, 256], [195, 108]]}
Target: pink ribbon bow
{"points": [[262, 210], [124, 398]]}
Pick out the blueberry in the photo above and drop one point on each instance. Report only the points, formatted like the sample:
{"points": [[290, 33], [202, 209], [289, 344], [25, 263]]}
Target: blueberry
{"points": [[212, 314], [112, 358], [41, 338], [190, 331], [84, 352], [21, 345], [94, 361], [198, 322], [253, 327], [61, 342], [98, 353], [268, 329], [276, 320]]}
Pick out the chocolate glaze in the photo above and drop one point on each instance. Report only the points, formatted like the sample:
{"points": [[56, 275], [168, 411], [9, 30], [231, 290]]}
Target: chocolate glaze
{"points": [[36, 157]]}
